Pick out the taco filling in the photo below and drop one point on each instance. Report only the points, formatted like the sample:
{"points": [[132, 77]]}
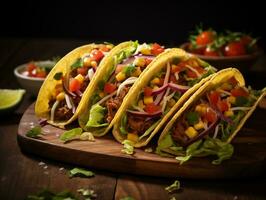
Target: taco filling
{"points": [[70, 87], [160, 95], [111, 90], [205, 127]]}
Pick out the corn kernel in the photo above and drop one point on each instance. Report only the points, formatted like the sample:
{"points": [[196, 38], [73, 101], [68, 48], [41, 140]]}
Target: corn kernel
{"points": [[148, 99], [133, 137], [199, 125], [120, 76], [171, 102], [155, 87], [87, 62], [109, 46], [231, 99], [228, 113], [60, 96], [140, 62], [140, 104], [145, 51], [94, 63], [198, 108], [191, 132], [155, 81], [80, 78], [226, 86], [101, 94], [137, 72]]}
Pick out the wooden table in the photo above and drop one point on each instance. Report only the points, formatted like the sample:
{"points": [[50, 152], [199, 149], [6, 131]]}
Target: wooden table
{"points": [[22, 174]]}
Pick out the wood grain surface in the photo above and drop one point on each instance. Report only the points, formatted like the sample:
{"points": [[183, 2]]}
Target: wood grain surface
{"points": [[105, 153]]}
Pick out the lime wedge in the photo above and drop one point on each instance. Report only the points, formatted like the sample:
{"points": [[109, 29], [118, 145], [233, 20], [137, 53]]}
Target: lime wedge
{"points": [[10, 98]]}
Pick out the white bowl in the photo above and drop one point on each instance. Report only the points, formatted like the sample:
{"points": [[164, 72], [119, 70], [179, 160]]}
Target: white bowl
{"points": [[31, 84]]}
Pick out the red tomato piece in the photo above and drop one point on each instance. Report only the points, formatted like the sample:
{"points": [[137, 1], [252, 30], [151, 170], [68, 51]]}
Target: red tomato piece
{"points": [[151, 108], [236, 92], [148, 61], [210, 115], [205, 37], [31, 67], [109, 88], [82, 70], [41, 74], [234, 49], [214, 97], [147, 91], [156, 49], [96, 55], [222, 105], [74, 85]]}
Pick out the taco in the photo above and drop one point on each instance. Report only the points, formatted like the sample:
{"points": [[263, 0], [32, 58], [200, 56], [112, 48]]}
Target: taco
{"points": [[170, 80], [210, 119], [113, 83], [64, 88]]}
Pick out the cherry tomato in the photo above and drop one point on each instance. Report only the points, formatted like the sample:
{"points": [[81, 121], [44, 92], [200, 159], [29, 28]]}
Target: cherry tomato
{"points": [[234, 49], [109, 88], [96, 55], [82, 70], [198, 50], [205, 37], [209, 52], [74, 85], [210, 115], [31, 67], [156, 49], [222, 105], [236, 92], [151, 108], [214, 97], [246, 40], [147, 91]]}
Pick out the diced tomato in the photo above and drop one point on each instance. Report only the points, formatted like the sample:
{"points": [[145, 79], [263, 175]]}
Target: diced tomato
{"points": [[96, 55], [233, 81], [176, 68], [191, 74], [222, 105], [41, 74], [31, 67], [214, 97], [236, 92], [151, 108], [74, 85], [147, 91], [82, 70], [109, 88], [210, 115], [156, 49], [148, 61]]}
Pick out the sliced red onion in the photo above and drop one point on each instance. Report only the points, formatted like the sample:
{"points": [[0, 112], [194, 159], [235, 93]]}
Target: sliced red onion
{"points": [[138, 108], [180, 88], [159, 90], [176, 76], [128, 81], [159, 98], [145, 114], [167, 74], [165, 99], [145, 56], [107, 97], [202, 134], [128, 60], [68, 101], [79, 93], [216, 131]]}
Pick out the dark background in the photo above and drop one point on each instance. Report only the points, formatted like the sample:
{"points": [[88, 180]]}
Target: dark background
{"points": [[166, 22]]}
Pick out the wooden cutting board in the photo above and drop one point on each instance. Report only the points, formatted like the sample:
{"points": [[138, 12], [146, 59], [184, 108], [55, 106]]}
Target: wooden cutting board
{"points": [[105, 153]]}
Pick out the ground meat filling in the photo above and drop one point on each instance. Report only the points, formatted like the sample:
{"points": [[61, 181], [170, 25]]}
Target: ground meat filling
{"points": [[138, 125], [113, 104]]}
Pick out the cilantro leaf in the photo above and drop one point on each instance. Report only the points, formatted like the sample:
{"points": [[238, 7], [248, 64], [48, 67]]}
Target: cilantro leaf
{"points": [[78, 63], [58, 76], [79, 171], [192, 118]]}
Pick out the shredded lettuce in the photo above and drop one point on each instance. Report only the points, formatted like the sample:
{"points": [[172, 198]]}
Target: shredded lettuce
{"points": [[174, 187], [35, 132], [149, 130], [123, 125], [209, 146], [79, 171], [128, 147], [96, 117], [72, 134], [165, 143]]}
